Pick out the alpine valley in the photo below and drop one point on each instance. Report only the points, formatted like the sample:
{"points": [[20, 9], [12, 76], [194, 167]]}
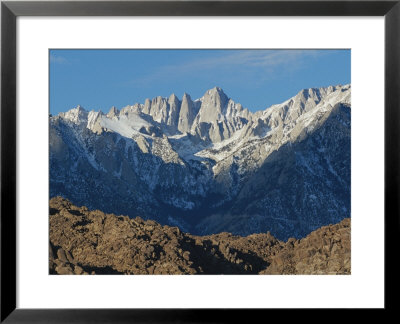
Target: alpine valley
{"points": [[209, 165]]}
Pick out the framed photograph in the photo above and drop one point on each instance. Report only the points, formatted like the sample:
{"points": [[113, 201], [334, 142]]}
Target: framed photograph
{"points": [[188, 160]]}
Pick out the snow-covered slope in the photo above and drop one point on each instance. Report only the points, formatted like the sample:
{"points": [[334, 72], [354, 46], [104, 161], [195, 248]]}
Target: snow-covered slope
{"points": [[203, 163]]}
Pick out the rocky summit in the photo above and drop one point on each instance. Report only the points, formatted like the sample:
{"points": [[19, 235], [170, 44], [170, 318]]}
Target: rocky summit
{"points": [[210, 165], [92, 242]]}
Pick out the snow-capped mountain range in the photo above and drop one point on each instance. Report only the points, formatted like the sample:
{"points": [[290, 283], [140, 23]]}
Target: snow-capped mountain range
{"points": [[209, 165]]}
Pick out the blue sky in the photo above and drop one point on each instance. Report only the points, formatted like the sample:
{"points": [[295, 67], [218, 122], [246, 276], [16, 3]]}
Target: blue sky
{"points": [[99, 79]]}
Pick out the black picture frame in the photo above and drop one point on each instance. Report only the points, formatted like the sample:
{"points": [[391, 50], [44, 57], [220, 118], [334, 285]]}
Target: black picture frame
{"points": [[10, 10]]}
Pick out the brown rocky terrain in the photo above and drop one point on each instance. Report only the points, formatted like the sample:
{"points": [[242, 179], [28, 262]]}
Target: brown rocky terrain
{"points": [[92, 242]]}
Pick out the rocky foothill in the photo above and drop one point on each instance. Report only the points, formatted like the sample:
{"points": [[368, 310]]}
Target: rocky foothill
{"points": [[92, 242]]}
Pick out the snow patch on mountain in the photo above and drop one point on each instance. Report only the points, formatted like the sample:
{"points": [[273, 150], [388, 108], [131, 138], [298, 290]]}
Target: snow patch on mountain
{"points": [[123, 125]]}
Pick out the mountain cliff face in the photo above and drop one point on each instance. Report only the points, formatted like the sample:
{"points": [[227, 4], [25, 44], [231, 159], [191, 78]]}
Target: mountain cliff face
{"points": [[209, 165]]}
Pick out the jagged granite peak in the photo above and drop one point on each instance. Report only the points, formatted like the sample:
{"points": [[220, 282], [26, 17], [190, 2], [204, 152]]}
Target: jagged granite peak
{"points": [[147, 106], [174, 109], [173, 98], [236, 172], [131, 111], [173, 117], [187, 114], [113, 112], [219, 117], [216, 91], [77, 115], [94, 121], [159, 109], [213, 106]]}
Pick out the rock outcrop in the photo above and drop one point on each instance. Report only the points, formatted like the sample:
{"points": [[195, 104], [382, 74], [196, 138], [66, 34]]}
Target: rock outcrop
{"points": [[324, 251], [92, 242]]}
